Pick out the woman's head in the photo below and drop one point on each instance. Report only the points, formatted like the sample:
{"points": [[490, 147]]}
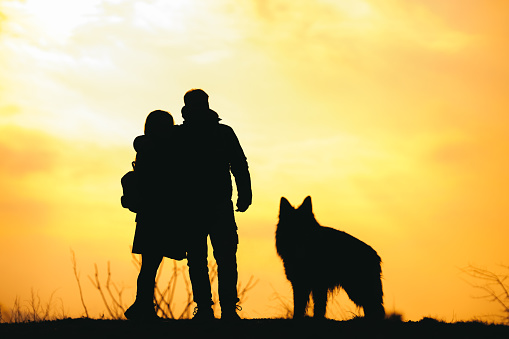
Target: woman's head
{"points": [[158, 123]]}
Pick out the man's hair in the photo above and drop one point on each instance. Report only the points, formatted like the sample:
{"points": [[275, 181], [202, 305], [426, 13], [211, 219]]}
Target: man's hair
{"points": [[196, 98]]}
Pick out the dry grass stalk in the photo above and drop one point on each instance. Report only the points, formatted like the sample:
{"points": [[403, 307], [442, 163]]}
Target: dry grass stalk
{"points": [[495, 287], [77, 276]]}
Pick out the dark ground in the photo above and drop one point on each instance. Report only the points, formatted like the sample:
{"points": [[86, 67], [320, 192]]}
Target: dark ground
{"points": [[252, 328]]}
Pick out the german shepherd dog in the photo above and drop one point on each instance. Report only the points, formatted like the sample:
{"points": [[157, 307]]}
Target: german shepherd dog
{"points": [[318, 260]]}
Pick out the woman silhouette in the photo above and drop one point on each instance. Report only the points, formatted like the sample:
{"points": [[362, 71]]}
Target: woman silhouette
{"points": [[156, 235]]}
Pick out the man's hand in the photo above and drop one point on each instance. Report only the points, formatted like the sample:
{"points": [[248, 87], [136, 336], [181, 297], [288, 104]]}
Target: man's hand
{"points": [[242, 205]]}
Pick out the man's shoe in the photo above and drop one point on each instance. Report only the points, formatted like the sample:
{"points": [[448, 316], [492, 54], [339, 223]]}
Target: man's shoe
{"points": [[230, 313], [203, 314]]}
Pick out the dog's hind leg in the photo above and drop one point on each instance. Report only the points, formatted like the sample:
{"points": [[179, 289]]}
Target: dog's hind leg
{"points": [[320, 301], [374, 311], [370, 298], [300, 300], [372, 301]]}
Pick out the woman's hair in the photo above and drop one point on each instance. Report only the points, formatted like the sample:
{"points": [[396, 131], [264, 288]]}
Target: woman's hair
{"points": [[158, 123]]}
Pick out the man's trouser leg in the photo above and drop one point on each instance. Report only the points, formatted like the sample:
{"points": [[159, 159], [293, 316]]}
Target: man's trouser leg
{"points": [[198, 270], [225, 252]]}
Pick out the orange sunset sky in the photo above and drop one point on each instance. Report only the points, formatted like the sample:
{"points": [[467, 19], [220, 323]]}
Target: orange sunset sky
{"points": [[392, 115]]}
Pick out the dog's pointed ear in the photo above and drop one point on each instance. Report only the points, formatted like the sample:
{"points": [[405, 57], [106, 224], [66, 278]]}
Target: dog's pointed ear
{"points": [[284, 206], [306, 205]]}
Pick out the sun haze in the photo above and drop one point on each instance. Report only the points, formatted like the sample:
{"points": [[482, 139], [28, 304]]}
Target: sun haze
{"points": [[391, 115]]}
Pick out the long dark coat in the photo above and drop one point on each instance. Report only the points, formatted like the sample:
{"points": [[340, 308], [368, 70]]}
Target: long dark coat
{"points": [[210, 154], [158, 225]]}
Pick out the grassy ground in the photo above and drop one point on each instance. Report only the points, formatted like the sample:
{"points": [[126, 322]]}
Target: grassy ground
{"points": [[252, 328]]}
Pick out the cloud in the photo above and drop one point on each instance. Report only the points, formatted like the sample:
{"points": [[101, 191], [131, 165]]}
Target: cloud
{"points": [[25, 155], [25, 152], [41, 176]]}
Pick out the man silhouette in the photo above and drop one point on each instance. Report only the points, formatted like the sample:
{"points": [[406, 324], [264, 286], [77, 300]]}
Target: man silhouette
{"points": [[210, 152]]}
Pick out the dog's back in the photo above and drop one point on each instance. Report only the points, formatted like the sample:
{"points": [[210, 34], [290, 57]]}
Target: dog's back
{"points": [[314, 255]]}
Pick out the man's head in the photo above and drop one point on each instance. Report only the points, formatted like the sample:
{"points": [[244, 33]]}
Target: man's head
{"points": [[196, 99], [196, 109]]}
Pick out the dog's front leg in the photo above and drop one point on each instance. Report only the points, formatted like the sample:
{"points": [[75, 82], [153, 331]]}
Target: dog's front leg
{"points": [[300, 300]]}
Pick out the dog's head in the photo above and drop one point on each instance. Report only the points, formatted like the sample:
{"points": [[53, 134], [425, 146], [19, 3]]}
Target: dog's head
{"points": [[298, 216]]}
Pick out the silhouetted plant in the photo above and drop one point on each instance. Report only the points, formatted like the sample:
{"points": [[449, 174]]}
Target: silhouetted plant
{"points": [[335, 311], [164, 295], [495, 287], [37, 310], [284, 304], [114, 307], [77, 276], [394, 316], [32, 310], [17, 314]]}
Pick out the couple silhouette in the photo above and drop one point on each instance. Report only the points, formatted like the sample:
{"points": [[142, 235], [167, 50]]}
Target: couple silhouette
{"points": [[184, 196]]}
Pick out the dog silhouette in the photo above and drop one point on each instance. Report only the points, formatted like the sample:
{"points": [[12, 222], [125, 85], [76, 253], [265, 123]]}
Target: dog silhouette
{"points": [[317, 260]]}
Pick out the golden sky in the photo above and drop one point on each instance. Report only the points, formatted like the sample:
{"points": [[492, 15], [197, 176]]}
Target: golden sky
{"points": [[392, 115]]}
